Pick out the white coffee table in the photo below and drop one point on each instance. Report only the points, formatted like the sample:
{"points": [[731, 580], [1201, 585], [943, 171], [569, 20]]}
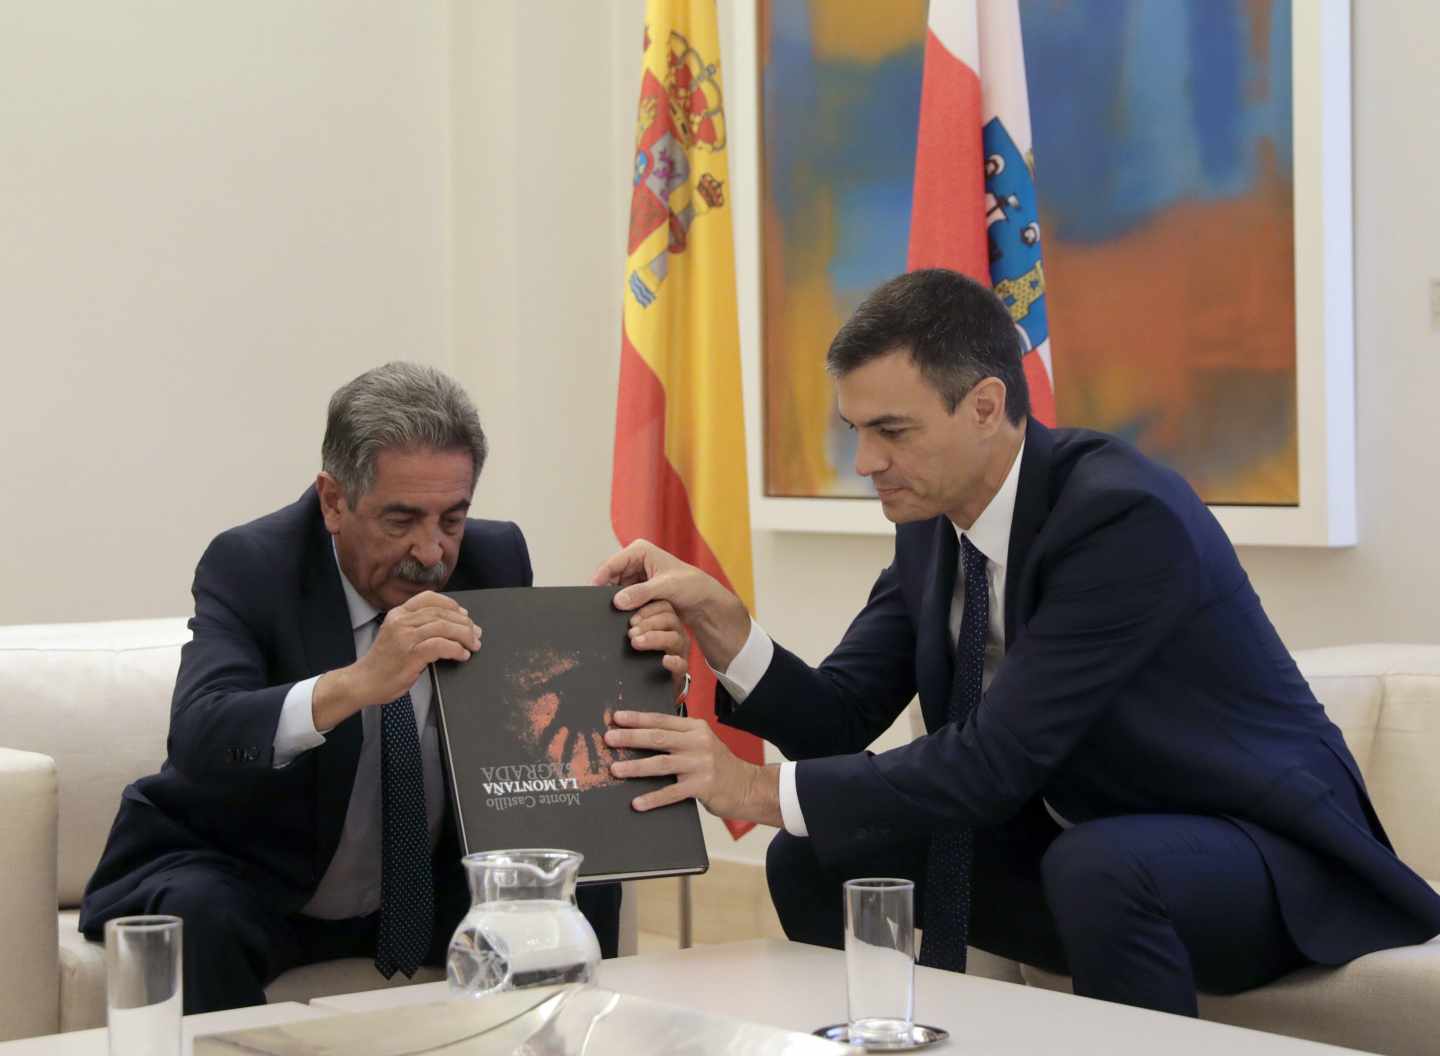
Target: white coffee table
{"points": [[800, 987], [96, 1042]]}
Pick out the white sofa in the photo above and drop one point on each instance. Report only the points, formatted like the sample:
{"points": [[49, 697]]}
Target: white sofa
{"points": [[83, 711], [1386, 701]]}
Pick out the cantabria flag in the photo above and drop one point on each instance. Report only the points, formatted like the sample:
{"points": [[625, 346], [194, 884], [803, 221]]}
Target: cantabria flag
{"points": [[974, 208]]}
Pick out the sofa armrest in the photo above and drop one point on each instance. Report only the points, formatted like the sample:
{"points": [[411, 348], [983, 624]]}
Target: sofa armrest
{"points": [[29, 970]]}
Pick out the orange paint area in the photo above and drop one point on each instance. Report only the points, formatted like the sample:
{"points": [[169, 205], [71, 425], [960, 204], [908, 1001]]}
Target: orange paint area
{"points": [[799, 400], [1177, 343]]}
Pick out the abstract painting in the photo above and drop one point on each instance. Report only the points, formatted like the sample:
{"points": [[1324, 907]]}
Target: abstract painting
{"points": [[1163, 156]]}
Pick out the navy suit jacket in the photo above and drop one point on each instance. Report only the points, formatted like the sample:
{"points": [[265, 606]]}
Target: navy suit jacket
{"points": [[269, 612], [1141, 675]]}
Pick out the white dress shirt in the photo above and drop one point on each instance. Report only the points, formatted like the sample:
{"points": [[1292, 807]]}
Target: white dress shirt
{"points": [[990, 534], [351, 884]]}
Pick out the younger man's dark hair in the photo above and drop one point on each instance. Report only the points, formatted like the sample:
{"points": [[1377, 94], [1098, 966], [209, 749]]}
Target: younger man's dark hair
{"points": [[958, 333]]}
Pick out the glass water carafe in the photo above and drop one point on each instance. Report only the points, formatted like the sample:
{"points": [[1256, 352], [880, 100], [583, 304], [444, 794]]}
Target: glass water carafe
{"points": [[523, 928]]}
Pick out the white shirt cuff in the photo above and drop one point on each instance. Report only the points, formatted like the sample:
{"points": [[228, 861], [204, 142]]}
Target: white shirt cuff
{"points": [[790, 802], [749, 665], [295, 732]]}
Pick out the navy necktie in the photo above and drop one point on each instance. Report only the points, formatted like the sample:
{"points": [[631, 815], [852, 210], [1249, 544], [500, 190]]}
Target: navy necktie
{"points": [[952, 851], [407, 890]]}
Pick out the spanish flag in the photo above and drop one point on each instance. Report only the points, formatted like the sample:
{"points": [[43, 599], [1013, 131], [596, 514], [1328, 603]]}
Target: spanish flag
{"points": [[679, 477]]}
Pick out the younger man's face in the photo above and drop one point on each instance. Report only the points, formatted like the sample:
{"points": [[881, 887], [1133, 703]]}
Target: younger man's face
{"points": [[924, 459]]}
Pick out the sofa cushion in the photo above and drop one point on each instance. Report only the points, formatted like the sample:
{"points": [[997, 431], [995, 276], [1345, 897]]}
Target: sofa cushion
{"points": [[82, 977], [29, 1002], [1353, 703], [95, 697], [1403, 774], [1397, 751], [986, 965], [1370, 1003]]}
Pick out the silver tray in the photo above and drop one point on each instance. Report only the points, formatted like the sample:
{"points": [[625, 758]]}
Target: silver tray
{"points": [[920, 1037]]}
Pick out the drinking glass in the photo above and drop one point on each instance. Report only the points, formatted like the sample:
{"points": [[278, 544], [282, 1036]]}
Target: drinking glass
{"points": [[880, 959], [142, 985]]}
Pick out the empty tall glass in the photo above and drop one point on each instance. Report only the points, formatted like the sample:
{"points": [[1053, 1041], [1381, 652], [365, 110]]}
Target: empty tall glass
{"points": [[880, 959], [143, 992]]}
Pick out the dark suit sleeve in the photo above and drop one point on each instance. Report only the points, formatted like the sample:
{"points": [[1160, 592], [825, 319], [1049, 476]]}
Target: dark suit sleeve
{"points": [[225, 711], [852, 697], [1110, 599]]}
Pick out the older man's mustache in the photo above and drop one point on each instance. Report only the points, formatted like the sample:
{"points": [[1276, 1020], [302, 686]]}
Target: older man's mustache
{"points": [[413, 571]]}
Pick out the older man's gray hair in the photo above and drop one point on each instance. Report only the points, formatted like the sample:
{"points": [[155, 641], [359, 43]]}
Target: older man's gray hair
{"points": [[400, 406]]}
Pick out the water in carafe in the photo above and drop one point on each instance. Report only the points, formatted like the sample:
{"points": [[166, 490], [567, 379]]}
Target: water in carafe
{"points": [[523, 928]]}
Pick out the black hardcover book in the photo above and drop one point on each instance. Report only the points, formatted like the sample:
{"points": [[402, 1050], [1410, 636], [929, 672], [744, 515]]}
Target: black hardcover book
{"points": [[522, 726]]}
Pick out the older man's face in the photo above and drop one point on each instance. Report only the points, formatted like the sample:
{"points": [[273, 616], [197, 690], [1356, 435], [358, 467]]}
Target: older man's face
{"points": [[403, 536]]}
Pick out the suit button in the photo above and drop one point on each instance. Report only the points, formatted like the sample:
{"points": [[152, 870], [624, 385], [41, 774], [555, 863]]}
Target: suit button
{"points": [[251, 754]]}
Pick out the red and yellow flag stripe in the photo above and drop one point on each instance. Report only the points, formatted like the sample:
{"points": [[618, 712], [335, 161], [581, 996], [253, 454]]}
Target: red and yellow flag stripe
{"points": [[680, 471]]}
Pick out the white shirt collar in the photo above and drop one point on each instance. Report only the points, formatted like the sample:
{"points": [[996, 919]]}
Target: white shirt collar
{"points": [[361, 611], [990, 534]]}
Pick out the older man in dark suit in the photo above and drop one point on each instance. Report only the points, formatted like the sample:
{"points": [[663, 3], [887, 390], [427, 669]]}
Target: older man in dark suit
{"points": [[302, 813], [1125, 774]]}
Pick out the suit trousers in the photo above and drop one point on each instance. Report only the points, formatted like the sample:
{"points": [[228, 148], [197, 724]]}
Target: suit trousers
{"points": [[236, 943], [1141, 909]]}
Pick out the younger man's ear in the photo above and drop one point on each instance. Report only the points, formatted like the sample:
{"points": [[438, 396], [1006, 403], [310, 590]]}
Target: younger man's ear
{"points": [[989, 402]]}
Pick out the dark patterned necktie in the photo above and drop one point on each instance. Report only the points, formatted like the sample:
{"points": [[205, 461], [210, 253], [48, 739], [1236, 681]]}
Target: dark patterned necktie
{"points": [[952, 851], [407, 891]]}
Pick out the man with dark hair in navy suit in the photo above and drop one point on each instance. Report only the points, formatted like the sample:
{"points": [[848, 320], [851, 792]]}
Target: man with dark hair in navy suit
{"points": [[302, 814], [1125, 774]]}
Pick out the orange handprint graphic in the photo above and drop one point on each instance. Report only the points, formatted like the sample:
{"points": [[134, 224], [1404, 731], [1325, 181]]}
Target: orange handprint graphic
{"points": [[564, 713]]}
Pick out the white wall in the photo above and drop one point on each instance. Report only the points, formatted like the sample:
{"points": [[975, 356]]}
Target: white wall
{"points": [[1384, 589], [211, 213], [542, 127], [208, 220]]}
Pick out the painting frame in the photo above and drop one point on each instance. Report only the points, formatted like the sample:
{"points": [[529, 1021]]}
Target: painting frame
{"points": [[1325, 515]]}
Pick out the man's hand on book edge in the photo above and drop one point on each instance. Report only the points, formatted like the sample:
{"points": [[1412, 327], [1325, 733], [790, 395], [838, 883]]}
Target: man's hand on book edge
{"points": [[703, 767]]}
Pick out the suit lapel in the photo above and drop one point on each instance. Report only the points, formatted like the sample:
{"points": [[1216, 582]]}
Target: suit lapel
{"points": [[329, 644], [933, 649], [1032, 506]]}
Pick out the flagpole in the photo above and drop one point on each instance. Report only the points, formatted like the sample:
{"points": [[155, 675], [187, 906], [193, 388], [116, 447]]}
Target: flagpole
{"points": [[685, 914]]}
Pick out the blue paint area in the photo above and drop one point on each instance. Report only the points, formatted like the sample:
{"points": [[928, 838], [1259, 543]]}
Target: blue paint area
{"points": [[869, 121], [1133, 430], [1135, 105], [872, 238], [1217, 70], [1141, 104], [1278, 109], [791, 96], [840, 151]]}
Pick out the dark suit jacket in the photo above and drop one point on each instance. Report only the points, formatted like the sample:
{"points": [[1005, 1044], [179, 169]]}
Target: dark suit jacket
{"points": [[1141, 675], [269, 612]]}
